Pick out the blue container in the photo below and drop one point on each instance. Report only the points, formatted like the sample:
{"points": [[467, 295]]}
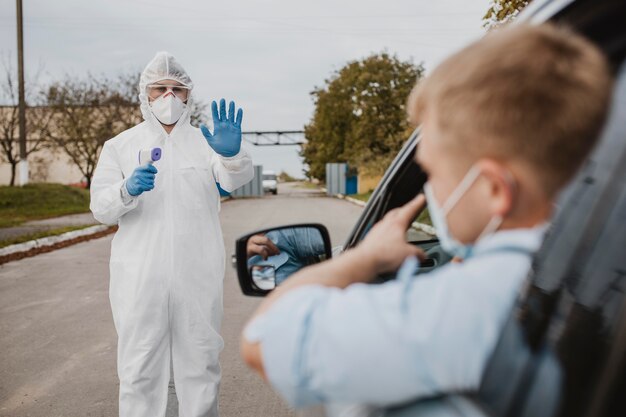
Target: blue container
{"points": [[352, 185]]}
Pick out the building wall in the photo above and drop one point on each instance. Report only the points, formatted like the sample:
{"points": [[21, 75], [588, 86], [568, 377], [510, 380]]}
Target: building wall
{"points": [[45, 166], [368, 183]]}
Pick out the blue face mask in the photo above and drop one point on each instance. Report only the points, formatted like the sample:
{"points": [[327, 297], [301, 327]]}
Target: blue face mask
{"points": [[438, 215]]}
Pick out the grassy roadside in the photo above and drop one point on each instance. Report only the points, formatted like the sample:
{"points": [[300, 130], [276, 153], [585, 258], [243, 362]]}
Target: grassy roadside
{"points": [[363, 196], [424, 216], [39, 235], [40, 201], [307, 185]]}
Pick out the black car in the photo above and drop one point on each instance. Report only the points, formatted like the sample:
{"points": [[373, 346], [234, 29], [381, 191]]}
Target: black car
{"points": [[563, 349]]}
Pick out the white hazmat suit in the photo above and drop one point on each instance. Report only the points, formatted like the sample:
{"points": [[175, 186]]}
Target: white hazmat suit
{"points": [[167, 258]]}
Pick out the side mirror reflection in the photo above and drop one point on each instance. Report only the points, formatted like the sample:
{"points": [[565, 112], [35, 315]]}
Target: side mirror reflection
{"points": [[266, 258], [263, 276]]}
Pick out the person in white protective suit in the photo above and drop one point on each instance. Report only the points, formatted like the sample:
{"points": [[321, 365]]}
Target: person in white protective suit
{"points": [[167, 258]]}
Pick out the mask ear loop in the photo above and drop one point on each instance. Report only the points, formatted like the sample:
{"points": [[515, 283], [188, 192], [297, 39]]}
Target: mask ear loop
{"points": [[496, 221], [491, 227], [460, 189]]}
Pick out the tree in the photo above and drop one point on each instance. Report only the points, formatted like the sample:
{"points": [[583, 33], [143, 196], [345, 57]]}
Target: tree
{"points": [[37, 120], [360, 115], [503, 11], [197, 112], [285, 177], [87, 112]]}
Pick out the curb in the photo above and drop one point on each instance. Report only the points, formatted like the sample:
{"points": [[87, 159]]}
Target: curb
{"points": [[419, 226], [429, 230], [350, 199], [50, 243]]}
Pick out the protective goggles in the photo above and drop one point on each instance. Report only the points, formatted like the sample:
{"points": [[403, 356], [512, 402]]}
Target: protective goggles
{"points": [[157, 90]]}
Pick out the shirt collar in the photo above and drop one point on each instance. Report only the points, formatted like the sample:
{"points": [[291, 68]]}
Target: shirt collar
{"points": [[522, 239]]}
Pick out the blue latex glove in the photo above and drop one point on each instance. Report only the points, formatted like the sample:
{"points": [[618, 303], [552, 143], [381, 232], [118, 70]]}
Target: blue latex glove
{"points": [[141, 180], [226, 136]]}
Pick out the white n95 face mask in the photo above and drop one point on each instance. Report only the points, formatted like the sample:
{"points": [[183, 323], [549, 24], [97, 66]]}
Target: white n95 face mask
{"points": [[168, 109], [438, 216]]}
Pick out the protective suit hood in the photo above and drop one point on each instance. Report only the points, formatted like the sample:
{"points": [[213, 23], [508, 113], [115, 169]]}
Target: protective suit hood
{"points": [[163, 67]]}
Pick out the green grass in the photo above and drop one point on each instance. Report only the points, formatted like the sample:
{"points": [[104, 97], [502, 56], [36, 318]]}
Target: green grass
{"points": [[40, 201], [307, 184], [424, 217], [39, 235], [362, 196]]}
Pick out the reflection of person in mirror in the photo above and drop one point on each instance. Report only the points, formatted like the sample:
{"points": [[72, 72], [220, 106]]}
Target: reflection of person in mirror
{"points": [[287, 250]]}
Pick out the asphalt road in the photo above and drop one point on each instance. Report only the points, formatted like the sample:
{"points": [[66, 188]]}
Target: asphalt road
{"points": [[58, 342]]}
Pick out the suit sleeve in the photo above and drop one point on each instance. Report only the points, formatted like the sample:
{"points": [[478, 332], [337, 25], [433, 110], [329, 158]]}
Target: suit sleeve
{"points": [[232, 172], [108, 203]]}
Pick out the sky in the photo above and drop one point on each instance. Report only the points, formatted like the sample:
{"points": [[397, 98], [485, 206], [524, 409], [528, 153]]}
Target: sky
{"points": [[267, 56]]}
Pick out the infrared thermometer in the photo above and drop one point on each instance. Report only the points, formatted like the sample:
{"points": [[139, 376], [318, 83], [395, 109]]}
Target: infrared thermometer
{"points": [[149, 156]]}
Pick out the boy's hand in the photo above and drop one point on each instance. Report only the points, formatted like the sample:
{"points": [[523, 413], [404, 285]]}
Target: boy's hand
{"points": [[385, 245], [261, 245]]}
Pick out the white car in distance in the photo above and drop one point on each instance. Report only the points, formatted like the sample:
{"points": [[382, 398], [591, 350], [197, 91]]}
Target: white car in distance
{"points": [[270, 182]]}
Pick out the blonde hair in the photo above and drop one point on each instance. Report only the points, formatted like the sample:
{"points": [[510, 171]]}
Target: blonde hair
{"points": [[535, 94]]}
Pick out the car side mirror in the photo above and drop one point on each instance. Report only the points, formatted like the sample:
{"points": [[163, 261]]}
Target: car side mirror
{"points": [[266, 258]]}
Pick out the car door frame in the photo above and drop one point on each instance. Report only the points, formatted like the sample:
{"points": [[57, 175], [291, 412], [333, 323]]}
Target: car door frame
{"points": [[379, 202]]}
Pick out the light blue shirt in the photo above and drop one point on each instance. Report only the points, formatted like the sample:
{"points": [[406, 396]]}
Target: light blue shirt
{"points": [[413, 337]]}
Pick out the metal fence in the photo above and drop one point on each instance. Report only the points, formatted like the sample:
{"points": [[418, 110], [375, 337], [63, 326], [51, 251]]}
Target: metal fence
{"points": [[339, 180], [254, 188]]}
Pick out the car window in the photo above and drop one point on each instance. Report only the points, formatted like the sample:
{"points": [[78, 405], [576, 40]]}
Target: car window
{"points": [[421, 229], [402, 181]]}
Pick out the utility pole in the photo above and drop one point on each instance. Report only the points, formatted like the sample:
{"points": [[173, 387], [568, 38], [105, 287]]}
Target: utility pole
{"points": [[23, 179]]}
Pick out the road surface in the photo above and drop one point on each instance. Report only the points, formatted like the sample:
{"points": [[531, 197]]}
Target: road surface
{"points": [[58, 342]]}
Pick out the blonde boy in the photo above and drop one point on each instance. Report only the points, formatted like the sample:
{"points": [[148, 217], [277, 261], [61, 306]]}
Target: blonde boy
{"points": [[506, 122]]}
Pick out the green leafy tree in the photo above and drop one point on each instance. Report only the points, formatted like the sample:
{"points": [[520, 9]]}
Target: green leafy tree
{"points": [[360, 115], [503, 11]]}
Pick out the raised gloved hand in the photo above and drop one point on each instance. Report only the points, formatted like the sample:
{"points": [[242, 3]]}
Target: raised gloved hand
{"points": [[226, 137], [141, 180]]}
